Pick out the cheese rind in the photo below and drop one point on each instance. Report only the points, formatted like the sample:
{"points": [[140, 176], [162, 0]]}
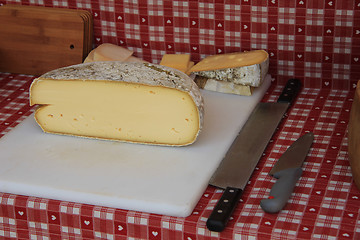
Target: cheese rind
{"points": [[252, 75], [132, 102]]}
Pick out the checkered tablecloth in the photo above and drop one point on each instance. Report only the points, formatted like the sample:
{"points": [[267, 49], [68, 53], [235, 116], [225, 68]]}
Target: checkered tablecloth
{"points": [[316, 41], [325, 203]]}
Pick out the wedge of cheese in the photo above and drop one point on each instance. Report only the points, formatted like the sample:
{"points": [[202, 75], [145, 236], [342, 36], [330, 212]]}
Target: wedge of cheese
{"points": [[132, 102], [246, 68], [111, 52], [180, 62], [223, 87]]}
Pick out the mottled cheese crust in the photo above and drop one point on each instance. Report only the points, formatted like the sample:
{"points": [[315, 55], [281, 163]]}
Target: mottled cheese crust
{"points": [[132, 102]]}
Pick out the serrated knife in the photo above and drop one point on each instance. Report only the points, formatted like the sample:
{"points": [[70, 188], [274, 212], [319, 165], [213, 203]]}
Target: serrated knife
{"points": [[287, 170], [243, 155]]}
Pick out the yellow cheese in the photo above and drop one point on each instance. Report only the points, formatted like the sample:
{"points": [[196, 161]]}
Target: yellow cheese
{"points": [[231, 60], [132, 102], [178, 61], [190, 65]]}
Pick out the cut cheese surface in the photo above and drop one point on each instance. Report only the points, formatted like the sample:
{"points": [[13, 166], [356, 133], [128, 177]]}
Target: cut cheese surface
{"points": [[230, 60], [132, 102], [178, 61]]}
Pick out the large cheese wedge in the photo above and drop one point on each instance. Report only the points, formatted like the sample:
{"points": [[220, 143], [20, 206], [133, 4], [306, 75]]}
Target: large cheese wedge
{"points": [[246, 68], [132, 102], [223, 87]]}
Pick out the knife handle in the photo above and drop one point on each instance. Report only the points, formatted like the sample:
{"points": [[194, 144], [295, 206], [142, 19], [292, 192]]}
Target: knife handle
{"points": [[290, 91], [223, 209], [281, 190]]}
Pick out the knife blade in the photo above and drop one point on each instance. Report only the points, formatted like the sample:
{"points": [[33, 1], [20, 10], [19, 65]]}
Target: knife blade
{"points": [[287, 170], [236, 168]]}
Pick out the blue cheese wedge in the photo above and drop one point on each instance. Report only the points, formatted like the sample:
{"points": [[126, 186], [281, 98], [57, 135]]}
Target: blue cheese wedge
{"points": [[243, 68], [132, 102]]}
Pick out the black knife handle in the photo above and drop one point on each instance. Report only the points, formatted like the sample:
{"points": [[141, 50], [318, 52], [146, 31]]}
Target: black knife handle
{"points": [[290, 91], [281, 190], [223, 209]]}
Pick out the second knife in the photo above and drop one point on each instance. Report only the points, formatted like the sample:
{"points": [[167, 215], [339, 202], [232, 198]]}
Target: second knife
{"points": [[287, 170]]}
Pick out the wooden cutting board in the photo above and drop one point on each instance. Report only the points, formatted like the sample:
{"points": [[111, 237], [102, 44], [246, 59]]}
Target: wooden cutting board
{"points": [[354, 137], [34, 40], [162, 180]]}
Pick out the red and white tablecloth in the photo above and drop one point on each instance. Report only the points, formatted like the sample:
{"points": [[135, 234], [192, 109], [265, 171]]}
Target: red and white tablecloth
{"points": [[316, 41], [325, 203]]}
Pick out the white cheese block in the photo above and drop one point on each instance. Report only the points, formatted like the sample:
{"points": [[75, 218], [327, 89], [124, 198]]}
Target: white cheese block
{"points": [[132, 102], [223, 87]]}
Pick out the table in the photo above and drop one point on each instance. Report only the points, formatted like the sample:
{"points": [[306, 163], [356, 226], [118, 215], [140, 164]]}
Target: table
{"points": [[325, 203]]}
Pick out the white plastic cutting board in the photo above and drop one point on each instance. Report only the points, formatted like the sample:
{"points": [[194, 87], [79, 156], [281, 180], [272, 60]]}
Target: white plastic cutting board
{"points": [[162, 180]]}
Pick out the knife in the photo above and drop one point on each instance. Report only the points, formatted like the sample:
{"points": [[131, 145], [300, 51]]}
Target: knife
{"points": [[287, 170], [243, 155]]}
